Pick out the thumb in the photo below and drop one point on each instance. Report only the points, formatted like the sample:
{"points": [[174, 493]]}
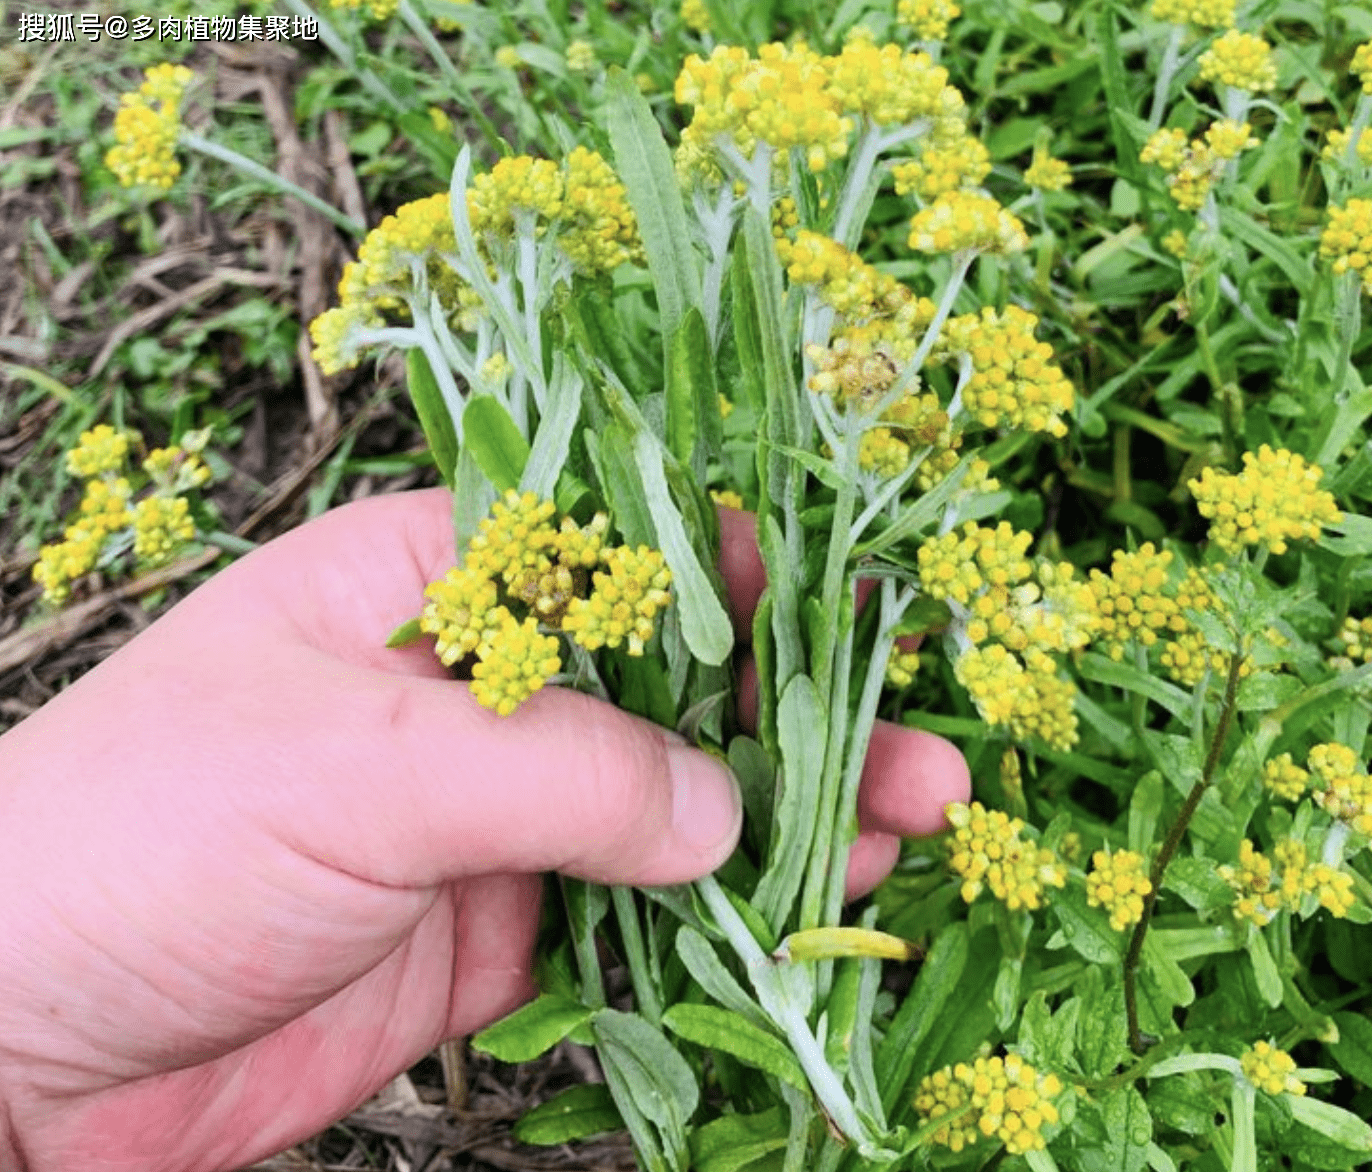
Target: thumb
{"points": [[431, 786]]}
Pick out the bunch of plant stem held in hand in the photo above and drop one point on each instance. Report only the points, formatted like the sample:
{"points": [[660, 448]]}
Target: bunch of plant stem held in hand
{"points": [[803, 289]]}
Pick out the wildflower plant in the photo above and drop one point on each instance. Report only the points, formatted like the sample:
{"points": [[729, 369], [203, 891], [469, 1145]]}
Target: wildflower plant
{"points": [[799, 275]]}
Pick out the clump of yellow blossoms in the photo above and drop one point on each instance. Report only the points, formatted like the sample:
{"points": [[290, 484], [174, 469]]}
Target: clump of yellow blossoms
{"points": [[1335, 148], [554, 576], [1118, 882], [1004, 1098], [901, 667], [941, 167], [146, 128], [929, 18], [1206, 13], [1132, 600], [1347, 239], [1271, 1070], [695, 16], [1192, 168], [1015, 616], [108, 522], [1264, 886], [791, 98], [1361, 66], [1047, 173], [1014, 381], [986, 850], [1355, 639], [1341, 788], [1282, 777], [581, 57], [1241, 60], [959, 221], [376, 9], [410, 254], [1275, 498]]}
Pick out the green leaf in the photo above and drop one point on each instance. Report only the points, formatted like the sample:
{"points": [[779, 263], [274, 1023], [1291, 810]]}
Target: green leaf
{"points": [[704, 965], [495, 442], [1355, 538], [575, 1113], [532, 1029], [1087, 929], [433, 413], [406, 633], [732, 1142], [1343, 1127], [1128, 1128], [1243, 1115], [802, 727], [1197, 882], [1273, 247], [938, 981], [1104, 670], [644, 164], [663, 1087], [704, 621], [438, 147], [1145, 808], [1264, 968], [553, 439], [694, 427], [735, 1035], [1353, 1050]]}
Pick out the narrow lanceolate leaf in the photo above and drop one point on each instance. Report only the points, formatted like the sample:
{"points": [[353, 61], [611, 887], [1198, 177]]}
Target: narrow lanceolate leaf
{"points": [[433, 414], [553, 439], [1343, 1127], [694, 427], [830, 943], [732, 1034], [644, 164], [575, 1113], [922, 1007], [533, 1029], [494, 441], [733, 1142], [704, 965], [802, 728], [406, 633], [704, 621], [650, 1082]]}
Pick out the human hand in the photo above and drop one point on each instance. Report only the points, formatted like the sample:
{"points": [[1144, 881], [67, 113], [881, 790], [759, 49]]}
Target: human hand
{"points": [[257, 863]]}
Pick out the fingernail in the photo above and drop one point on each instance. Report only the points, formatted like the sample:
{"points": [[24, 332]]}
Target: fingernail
{"points": [[707, 810]]}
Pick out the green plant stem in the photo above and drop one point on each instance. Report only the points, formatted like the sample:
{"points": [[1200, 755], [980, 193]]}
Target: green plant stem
{"points": [[1349, 319], [1170, 846], [417, 25], [197, 142], [781, 1007], [645, 988], [340, 49]]}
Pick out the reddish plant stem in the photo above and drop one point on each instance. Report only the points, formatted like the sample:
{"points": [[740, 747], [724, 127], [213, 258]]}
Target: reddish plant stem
{"points": [[1169, 848]]}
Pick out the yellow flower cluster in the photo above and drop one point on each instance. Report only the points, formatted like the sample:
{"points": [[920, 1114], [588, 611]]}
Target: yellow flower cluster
{"points": [[1189, 654], [1192, 168], [929, 18], [581, 57], [1336, 147], [958, 221], [791, 97], [1275, 498], [376, 9], [1355, 637], [1241, 60], [161, 526], [901, 667], [1206, 13], [1361, 66], [1265, 886], [695, 16], [960, 563], [986, 850], [1047, 173], [1271, 1070], [963, 161], [146, 128], [1118, 882], [1014, 381], [518, 559], [1341, 788], [1027, 697], [854, 288], [1005, 1098], [1347, 239], [1133, 600], [161, 523], [1283, 778]]}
